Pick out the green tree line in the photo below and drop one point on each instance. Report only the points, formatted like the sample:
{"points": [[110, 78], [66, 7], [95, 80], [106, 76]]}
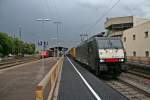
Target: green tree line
{"points": [[9, 45]]}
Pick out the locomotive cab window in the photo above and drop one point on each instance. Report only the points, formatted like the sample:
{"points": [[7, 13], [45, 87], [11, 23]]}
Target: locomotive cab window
{"points": [[116, 43]]}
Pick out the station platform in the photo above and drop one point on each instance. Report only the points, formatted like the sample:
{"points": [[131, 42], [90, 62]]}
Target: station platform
{"points": [[19, 82], [79, 84]]}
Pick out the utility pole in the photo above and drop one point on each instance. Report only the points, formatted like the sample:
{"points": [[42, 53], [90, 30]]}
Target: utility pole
{"points": [[14, 35], [20, 32], [42, 20], [43, 43], [83, 35], [57, 31]]}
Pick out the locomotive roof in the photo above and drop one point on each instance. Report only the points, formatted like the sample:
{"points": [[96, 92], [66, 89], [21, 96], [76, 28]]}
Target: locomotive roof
{"points": [[99, 38], [105, 38]]}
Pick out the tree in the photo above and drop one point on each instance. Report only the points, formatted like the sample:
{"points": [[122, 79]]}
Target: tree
{"points": [[28, 48], [14, 46], [18, 46], [33, 48], [6, 44]]}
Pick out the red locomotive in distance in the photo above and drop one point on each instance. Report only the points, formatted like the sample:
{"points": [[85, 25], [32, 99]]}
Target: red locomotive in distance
{"points": [[53, 52], [44, 54]]}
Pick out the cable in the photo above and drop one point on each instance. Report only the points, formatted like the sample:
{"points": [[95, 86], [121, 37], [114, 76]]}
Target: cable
{"points": [[131, 9], [103, 15], [97, 15], [56, 8]]}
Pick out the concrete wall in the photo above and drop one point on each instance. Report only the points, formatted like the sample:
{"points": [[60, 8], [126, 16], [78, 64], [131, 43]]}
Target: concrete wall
{"points": [[120, 20], [140, 44], [138, 21], [116, 33]]}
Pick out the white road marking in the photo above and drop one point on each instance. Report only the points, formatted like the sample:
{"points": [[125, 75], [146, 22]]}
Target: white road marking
{"points": [[86, 83]]}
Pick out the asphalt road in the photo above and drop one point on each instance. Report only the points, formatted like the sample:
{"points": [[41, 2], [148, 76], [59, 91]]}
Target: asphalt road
{"points": [[19, 83], [72, 86]]}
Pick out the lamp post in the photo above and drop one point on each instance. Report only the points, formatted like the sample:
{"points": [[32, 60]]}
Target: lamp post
{"points": [[43, 43], [57, 31], [43, 20], [20, 32], [56, 44]]}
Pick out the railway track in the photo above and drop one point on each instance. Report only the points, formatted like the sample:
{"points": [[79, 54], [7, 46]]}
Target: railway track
{"points": [[133, 85], [127, 90], [139, 74], [11, 63]]}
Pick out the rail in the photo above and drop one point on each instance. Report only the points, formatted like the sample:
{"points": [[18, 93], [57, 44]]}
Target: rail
{"points": [[15, 62], [45, 89]]}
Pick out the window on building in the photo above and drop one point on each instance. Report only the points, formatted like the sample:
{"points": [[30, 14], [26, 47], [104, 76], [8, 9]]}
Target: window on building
{"points": [[124, 39], [147, 53], [134, 53], [133, 37], [146, 34]]}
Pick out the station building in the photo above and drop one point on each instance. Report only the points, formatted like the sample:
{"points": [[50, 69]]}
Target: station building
{"points": [[116, 26], [135, 34], [136, 41]]}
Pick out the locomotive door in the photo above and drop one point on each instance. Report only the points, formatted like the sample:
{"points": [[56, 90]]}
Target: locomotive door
{"points": [[90, 56]]}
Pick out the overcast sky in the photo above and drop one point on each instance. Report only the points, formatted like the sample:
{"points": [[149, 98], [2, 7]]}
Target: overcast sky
{"points": [[77, 16]]}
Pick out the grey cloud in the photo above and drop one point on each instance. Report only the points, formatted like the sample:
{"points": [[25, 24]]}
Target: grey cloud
{"points": [[76, 15], [93, 4]]}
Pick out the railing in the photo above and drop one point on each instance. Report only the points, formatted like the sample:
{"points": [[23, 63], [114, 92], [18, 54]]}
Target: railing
{"points": [[139, 59], [45, 89]]}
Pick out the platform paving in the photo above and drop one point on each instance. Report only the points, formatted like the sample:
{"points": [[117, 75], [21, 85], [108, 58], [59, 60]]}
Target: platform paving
{"points": [[72, 86], [19, 83]]}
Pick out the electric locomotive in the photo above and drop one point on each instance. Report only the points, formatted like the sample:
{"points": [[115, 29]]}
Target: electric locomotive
{"points": [[104, 55]]}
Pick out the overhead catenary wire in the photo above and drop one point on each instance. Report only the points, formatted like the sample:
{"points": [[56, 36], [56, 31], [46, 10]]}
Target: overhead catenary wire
{"points": [[108, 4], [47, 3], [97, 15], [56, 8], [103, 15], [133, 7], [49, 7]]}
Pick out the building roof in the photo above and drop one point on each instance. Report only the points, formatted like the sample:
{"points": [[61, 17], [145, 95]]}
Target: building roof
{"points": [[125, 19]]}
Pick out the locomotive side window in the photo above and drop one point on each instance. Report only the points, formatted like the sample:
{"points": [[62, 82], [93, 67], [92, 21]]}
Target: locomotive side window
{"points": [[90, 47]]}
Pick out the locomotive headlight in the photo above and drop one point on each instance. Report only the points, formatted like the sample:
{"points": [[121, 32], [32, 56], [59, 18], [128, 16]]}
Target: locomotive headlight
{"points": [[101, 60], [121, 60]]}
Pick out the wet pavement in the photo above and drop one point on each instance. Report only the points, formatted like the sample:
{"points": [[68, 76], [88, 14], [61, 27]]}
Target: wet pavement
{"points": [[20, 82]]}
